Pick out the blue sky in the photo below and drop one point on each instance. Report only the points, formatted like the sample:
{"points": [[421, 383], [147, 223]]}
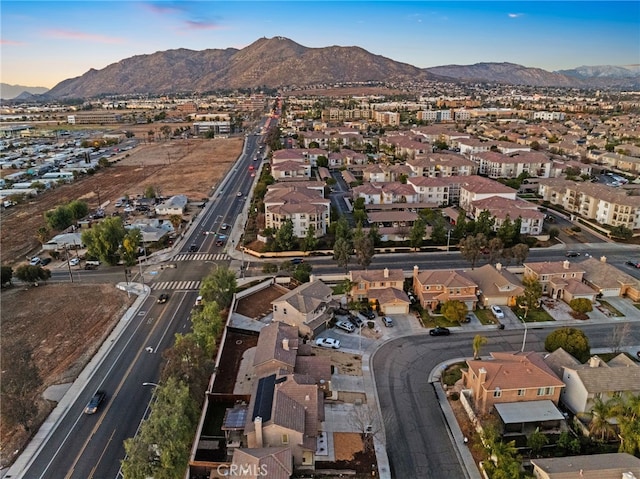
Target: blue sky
{"points": [[45, 42]]}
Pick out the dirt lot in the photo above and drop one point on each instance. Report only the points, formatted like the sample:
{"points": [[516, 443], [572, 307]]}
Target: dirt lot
{"points": [[346, 445], [189, 167], [345, 363], [62, 325]]}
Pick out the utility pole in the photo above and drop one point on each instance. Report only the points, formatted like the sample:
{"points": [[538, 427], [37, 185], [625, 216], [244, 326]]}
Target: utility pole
{"points": [[66, 253]]}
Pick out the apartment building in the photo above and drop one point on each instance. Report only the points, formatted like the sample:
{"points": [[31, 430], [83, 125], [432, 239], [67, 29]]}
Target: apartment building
{"points": [[531, 220], [604, 204], [499, 165], [303, 206], [430, 190], [441, 165], [385, 193], [477, 188]]}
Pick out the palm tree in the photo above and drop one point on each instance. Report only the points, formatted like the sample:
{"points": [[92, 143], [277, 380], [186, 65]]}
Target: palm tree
{"points": [[478, 342], [627, 412], [601, 413]]}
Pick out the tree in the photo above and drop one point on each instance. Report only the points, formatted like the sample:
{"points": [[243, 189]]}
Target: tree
{"points": [[150, 192], [495, 247], [454, 310], [42, 235], [417, 233], [285, 239], [176, 221], [310, 241], [471, 248], [32, 274], [104, 240], [626, 409], [484, 223], [581, 305], [374, 234], [342, 252], [520, 252], [59, 218], [620, 336], [460, 228], [187, 361], [572, 340], [438, 230], [478, 342], [600, 426], [536, 441], [532, 293], [219, 286], [363, 246], [6, 275], [130, 245], [365, 421], [78, 209], [621, 232]]}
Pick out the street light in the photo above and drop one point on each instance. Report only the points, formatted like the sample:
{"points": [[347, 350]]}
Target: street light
{"points": [[524, 339]]}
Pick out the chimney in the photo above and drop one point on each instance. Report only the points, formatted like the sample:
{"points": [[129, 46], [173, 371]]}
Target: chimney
{"points": [[565, 264], [482, 375], [285, 344], [594, 362], [257, 423], [386, 272], [603, 259], [415, 271], [499, 266]]}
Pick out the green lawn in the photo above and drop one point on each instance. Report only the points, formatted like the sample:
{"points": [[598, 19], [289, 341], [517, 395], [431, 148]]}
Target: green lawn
{"points": [[611, 309], [453, 373], [538, 315], [485, 316], [637, 305]]}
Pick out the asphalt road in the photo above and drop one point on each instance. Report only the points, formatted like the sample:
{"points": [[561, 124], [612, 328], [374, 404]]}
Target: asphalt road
{"points": [[91, 446], [418, 443]]}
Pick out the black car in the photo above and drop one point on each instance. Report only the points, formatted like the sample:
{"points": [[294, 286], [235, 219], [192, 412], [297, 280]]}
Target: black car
{"points": [[572, 254], [355, 320], [193, 248], [297, 261], [163, 298], [45, 261], [95, 402], [628, 263], [368, 313], [439, 331]]}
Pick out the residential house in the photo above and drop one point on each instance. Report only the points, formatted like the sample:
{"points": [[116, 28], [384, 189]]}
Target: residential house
{"points": [[510, 378], [272, 462], [531, 220], [386, 287], [617, 465], [496, 285], [277, 349], [469, 146], [434, 287], [596, 379], [478, 188], [560, 279], [307, 307], [175, 205], [607, 280], [290, 170], [305, 207]]}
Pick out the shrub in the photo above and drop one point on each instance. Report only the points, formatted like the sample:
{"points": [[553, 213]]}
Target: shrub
{"points": [[572, 340], [581, 305]]}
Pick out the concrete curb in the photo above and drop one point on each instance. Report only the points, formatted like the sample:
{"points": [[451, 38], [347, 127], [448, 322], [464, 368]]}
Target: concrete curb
{"points": [[35, 445]]}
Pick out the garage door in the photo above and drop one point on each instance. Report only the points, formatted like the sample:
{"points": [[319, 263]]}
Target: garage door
{"points": [[610, 292], [396, 309]]}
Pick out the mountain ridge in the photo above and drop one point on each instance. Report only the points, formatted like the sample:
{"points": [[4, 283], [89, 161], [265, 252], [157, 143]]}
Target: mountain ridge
{"points": [[280, 62]]}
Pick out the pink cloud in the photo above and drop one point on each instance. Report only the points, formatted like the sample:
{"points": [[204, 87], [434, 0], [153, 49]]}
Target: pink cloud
{"points": [[10, 42], [75, 35], [200, 25]]}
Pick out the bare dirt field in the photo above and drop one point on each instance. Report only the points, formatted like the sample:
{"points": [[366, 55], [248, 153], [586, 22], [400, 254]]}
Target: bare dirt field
{"points": [[60, 326], [345, 363], [346, 445], [189, 167]]}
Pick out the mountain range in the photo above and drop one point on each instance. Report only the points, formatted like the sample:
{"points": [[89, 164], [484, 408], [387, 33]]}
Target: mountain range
{"points": [[280, 62], [10, 92]]}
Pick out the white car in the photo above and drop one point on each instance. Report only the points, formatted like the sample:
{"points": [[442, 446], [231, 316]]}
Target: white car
{"points": [[74, 262], [35, 261], [497, 311], [346, 325], [328, 343]]}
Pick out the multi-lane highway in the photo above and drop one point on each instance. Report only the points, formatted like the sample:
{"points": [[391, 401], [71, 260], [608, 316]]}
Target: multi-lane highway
{"points": [[91, 446]]}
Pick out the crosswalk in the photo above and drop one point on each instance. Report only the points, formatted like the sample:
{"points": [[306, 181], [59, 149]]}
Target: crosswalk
{"points": [[176, 285], [201, 257]]}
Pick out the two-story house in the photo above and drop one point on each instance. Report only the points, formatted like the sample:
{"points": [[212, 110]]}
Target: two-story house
{"points": [[510, 378], [384, 287], [436, 286], [308, 307], [496, 285], [560, 279]]}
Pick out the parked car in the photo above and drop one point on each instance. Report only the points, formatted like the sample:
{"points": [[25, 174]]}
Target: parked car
{"points": [[45, 261], [89, 266], [346, 325], [355, 320], [328, 343], [497, 311], [572, 254], [74, 261], [224, 226], [193, 248], [387, 321], [163, 298], [94, 403], [468, 317], [635, 264], [35, 261], [199, 301], [297, 261], [439, 331], [368, 313]]}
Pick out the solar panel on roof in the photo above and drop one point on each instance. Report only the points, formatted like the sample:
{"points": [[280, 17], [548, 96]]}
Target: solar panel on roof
{"points": [[264, 398]]}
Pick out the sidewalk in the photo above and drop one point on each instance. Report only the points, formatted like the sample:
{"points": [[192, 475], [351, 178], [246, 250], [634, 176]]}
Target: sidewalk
{"points": [[26, 458]]}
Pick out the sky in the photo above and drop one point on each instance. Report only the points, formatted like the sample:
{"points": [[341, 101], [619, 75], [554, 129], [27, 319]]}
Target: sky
{"points": [[45, 42]]}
